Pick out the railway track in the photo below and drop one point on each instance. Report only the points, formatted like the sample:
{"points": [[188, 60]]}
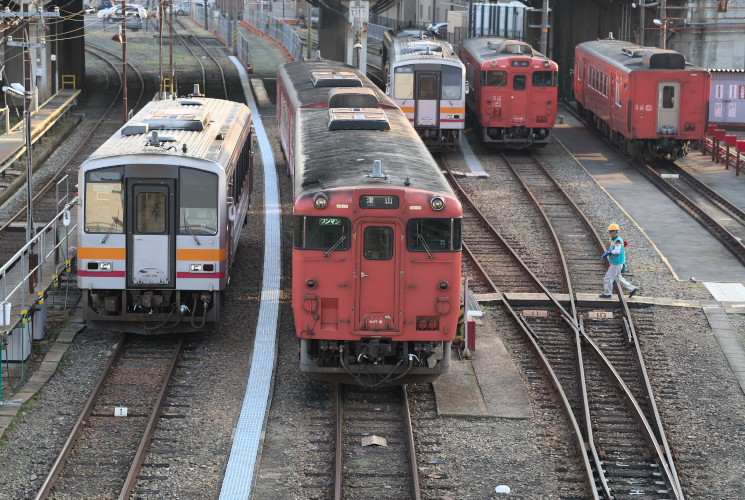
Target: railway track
{"points": [[213, 77], [105, 450], [606, 397]]}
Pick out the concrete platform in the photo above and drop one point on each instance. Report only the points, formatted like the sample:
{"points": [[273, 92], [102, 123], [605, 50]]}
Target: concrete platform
{"points": [[668, 227]]}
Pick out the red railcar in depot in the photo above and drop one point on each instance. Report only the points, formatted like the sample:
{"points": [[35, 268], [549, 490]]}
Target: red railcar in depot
{"points": [[376, 264], [648, 101], [514, 92]]}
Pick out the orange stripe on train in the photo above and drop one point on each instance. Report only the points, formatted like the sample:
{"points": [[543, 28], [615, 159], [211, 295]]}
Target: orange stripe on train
{"points": [[200, 254], [102, 253]]}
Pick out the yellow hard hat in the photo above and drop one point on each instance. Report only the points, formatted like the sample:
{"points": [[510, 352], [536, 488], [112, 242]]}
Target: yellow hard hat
{"points": [[613, 227]]}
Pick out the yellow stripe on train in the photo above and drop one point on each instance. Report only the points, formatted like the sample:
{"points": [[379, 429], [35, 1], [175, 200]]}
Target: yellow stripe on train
{"points": [[102, 253]]}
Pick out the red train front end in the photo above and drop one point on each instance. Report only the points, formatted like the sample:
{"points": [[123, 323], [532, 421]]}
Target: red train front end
{"points": [[376, 283]]}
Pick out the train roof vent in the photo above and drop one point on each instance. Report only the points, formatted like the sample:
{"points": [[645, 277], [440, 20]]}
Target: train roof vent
{"points": [[358, 119], [335, 79], [633, 51], [422, 47], [360, 97], [135, 128], [179, 120], [510, 47], [663, 59]]}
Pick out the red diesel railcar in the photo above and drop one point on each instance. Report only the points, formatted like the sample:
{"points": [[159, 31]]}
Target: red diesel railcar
{"points": [[648, 101], [514, 92], [376, 265]]}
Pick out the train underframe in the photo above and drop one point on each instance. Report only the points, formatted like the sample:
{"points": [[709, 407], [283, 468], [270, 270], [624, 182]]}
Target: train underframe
{"points": [[438, 139], [668, 148], [516, 137], [374, 362], [152, 311]]}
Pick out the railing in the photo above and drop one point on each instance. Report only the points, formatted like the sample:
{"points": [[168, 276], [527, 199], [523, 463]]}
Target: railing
{"points": [[724, 148], [28, 275]]}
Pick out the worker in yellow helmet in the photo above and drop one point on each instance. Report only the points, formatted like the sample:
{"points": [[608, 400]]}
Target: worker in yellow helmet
{"points": [[616, 257]]}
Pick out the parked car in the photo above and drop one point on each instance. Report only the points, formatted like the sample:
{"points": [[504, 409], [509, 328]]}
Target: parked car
{"points": [[440, 30], [115, 13]]}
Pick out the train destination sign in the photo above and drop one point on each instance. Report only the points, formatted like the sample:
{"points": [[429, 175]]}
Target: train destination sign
{"points": [[378, 201]]}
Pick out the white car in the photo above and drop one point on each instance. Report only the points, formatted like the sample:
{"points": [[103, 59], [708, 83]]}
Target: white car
{"points": [[115, 12]]}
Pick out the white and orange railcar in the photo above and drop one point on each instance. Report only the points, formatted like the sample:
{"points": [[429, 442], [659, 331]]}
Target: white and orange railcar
{"points": [[427, 80], [163, 202]]}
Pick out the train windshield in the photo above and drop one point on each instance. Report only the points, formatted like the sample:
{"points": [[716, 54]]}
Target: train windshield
{"points": [[197, 202], [452, 82], [546, 79], [322, 233], [493, 78], [434, 235], [403, 82], [104, 200]]}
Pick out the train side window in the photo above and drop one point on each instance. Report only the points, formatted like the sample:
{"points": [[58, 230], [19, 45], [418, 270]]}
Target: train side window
{"points": [[668, 97], [434, 235], [403, 83], [104, 200], [151, 213], [197, 202], [452, 82], [322, 233], [519, 82], [545, 79], [378, 243], [493, 78]]}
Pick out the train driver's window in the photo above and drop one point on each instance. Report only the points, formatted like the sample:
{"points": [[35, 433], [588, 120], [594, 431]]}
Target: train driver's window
{"points": [[668, 97], [546, 79], [452, 82], [519, 82], [322, 233], [104, 200], [197, 202], [378, 243], [434, 235], [403, 82], [494, 78]]}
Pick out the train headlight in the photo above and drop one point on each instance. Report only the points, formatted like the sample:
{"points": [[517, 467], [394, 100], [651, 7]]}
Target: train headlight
{"points": [[104, 266], [311, 283], [444, 285], [546, 64], [437, 203], [320, 201]]}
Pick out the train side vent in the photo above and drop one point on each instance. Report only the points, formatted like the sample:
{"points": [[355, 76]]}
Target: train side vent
{"points": [[358, 119], [335, 79]]}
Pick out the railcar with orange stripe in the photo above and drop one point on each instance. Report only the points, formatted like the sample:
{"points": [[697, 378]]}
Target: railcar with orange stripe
{"points": [[513, 96], [426, 79], [163, 202]]}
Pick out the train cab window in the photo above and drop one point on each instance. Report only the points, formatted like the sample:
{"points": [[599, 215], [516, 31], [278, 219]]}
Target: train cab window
{"points": [[452, 82], [151, 213], [519, 82], [378, 243], [403, 82], [668, 97], [493, 78], [197, 202], [322, 233], [104, 200], [546, 79], [434, 235]]}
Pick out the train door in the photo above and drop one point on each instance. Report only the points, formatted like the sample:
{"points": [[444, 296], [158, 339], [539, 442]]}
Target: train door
{"points": [[519, 99], [150, 232], [427, 100], [378, 283], [668, 108]]}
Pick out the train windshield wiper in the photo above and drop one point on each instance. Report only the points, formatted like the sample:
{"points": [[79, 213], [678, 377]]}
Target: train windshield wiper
{"points": [[424, 244], [339, 242], [114, 221], [188, 228]]}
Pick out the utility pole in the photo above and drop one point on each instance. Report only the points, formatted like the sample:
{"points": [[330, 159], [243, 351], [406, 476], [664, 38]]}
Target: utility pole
{"points": [[543, 44], [124, 58], [663, 18]]}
